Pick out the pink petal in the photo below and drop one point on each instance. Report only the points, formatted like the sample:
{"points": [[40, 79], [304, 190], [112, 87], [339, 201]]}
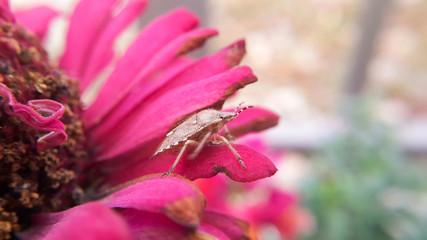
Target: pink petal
{"points": [[203, 68], [32, 115], [252, 120], [258, 142], [36, 19], [164, 29], [234, 228], [276, 203], [147, 86], [209, 66], [86, 23], [88, 221], [160, 77], [215, 159], [4, 4], [5, 13], [152, 120], [282, 210], [176, 197], [102, 52], [211, 161], [215, 190]]}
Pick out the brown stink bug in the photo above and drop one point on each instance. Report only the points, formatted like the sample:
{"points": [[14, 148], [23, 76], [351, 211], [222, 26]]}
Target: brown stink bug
{"points": [[197, 130]]}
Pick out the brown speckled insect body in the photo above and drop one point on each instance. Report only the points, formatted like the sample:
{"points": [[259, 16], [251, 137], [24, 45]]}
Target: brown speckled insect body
{"points": [[197, 130]]}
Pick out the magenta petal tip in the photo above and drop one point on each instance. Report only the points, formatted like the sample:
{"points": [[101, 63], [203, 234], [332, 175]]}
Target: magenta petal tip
{"points": [[41, 114]]}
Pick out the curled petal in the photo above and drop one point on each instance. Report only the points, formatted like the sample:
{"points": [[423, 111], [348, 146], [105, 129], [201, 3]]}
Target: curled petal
{"points": [[52, 109], [174, 196], [51, 140], [88, 221], [41, 114], [38, 25]]}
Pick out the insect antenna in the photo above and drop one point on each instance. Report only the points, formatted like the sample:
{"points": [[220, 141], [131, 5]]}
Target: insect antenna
{"points": [[235, 110], [243, 109]]}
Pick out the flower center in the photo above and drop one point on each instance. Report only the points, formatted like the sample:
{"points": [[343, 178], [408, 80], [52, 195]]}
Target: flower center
{"points": [[34, 181]]}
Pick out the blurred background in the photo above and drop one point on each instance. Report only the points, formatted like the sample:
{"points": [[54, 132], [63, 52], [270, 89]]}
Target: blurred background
{"points": [[349, 80]]}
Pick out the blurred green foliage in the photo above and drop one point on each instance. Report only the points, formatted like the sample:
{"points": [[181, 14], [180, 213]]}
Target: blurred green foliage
{"points": [[362, 187]]}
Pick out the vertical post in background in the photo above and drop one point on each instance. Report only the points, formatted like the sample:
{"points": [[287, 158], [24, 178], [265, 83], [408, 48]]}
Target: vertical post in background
{"points": [[372, 16]]}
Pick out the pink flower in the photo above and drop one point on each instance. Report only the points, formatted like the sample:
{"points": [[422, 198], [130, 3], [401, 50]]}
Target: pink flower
{"points": [[152, 85]]}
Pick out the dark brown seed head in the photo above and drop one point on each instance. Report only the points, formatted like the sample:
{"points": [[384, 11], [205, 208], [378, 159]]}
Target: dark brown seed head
{"points": [[32, 181]]}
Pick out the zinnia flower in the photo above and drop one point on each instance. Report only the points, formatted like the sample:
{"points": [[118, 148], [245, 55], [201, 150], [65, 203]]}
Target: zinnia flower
{"points": [[74, 173]]}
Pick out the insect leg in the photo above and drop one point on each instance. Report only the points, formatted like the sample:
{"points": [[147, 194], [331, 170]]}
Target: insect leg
{"points": [[228, 134], [215, 141], [239, 158], [200, 146], [178, 157]]}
